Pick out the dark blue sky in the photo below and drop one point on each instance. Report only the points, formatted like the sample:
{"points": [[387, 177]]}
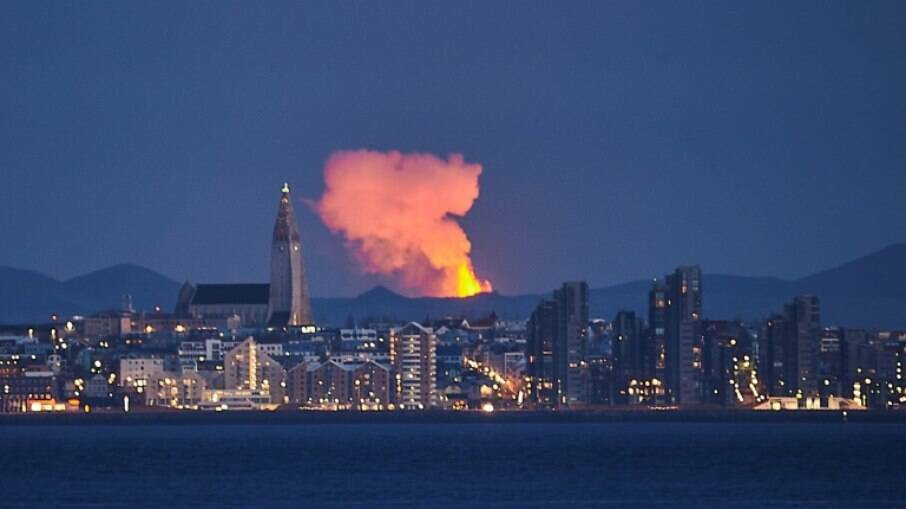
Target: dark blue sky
{"points": [[618, 139]]}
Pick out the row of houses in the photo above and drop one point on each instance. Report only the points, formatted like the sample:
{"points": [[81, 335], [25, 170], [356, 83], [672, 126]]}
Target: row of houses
{"points": [[253, 375]]}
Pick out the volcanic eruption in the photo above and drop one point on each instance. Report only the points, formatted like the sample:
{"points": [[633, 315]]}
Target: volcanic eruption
{"points": [[397, 215]]}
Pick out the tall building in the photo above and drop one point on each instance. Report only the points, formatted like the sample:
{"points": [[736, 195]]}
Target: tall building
{"points": [[829, 362], [283, 302], [556, 347], [541, 334], [683, 335], [771, 354], [789, 349], [628, 351], [413, 353], [804, 328], [728, 368], [656, 349], [289, 302], [571, 341]]}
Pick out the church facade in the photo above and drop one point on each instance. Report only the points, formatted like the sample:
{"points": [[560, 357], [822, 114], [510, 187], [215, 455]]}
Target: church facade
{"points": [[282, 303]]}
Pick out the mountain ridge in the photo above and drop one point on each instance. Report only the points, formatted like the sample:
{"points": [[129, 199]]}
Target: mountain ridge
{"points": [[868, 291]]}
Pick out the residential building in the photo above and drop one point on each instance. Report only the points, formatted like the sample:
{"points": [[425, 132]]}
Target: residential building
{"points": [[413, 354]]}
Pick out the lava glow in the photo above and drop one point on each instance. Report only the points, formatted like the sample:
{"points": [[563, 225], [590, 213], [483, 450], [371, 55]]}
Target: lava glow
{"points": [[397, 214]]}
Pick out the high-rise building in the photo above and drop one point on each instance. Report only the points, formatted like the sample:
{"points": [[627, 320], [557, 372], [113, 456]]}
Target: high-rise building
{"points": [[771, 354], [804, 328], [413, 354], [541, 334], [729, 372], [289, 303], [689, 367], [789, 349], [683, 335], [628, 350], [656, 349], [829, 362], [556, 347], [571, 341]]}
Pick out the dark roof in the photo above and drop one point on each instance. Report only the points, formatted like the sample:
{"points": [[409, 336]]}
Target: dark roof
{"points": [[231, 294], [279, 319]]}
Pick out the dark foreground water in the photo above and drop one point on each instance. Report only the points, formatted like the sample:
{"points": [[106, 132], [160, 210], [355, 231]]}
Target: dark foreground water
{"points": [[616, 465]]}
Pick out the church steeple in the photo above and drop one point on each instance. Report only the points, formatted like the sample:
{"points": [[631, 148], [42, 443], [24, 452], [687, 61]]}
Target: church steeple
{"points": [[285, 225], [289, 302]]}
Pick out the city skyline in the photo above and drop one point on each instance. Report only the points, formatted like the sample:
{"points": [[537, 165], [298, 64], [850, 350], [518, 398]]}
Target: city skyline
{"points": [[585, 130], [452, 254]]}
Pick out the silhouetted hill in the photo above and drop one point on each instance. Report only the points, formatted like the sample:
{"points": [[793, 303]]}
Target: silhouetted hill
{"points": [[29, 296], [379, 303], [105, 288], [867, 292], [882, 273]]}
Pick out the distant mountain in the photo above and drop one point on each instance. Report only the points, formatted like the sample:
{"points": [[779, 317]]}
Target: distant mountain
{"points": [[867, 292], [28, 296], [882, 273], [105, 288]]}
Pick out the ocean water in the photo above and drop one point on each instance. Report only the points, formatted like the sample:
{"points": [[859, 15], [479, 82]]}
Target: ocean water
{"points": [[512, 465]]}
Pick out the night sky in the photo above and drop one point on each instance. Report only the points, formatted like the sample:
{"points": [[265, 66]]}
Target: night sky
{"points": [[618, 140]]}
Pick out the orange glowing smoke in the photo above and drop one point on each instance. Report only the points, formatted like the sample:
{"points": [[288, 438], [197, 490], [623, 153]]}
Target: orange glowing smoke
{"points": [[397, 214]]}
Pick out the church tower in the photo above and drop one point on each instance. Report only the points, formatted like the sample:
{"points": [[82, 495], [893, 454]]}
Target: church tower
{"points": [[288, 303]]}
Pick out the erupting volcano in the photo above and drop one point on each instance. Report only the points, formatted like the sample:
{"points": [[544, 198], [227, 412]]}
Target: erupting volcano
{"points": [[397, 214]]}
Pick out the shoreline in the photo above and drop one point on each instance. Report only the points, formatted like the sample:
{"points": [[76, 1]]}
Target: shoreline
{"points": [[314, 417]]}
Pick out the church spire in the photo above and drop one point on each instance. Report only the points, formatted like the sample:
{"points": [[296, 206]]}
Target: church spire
{"points": [[289, 302], [285, 225]]}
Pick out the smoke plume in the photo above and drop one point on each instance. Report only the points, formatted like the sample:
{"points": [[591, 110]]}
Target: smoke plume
{"points": [[397, 213]]}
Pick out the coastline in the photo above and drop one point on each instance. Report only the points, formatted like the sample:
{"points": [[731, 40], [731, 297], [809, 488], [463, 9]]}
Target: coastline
{"points": [[312, 417]]}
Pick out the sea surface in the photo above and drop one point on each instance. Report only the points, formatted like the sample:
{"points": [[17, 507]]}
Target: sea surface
{"points": [[512, 465]]}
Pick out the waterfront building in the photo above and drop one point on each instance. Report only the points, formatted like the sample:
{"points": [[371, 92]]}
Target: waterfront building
{"points": [[729, 370], [804, 323], [683, 348], [97, 389], [628, 346], [656, 351], [541, 333], [248, 367], [772, 344], [298, 382], [789, 349], [23, 389], [329, 385], [556, 348], [337, 385], [175, 390], [413, 354], [571, 342], [135, 372], [829, 362]]}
